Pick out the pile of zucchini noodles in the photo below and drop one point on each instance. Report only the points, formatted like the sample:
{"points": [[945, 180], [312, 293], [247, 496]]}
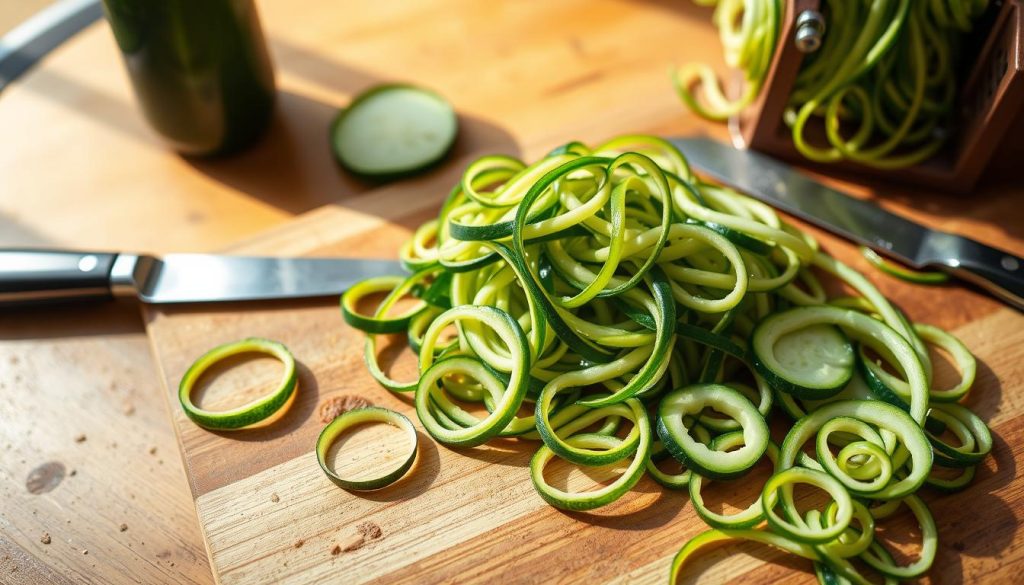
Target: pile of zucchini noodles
{"points": [[609, 289], [883, 82]]}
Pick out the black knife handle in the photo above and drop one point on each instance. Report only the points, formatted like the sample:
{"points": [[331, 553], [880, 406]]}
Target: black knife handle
{"points": [[998, 272], [31, 277]]}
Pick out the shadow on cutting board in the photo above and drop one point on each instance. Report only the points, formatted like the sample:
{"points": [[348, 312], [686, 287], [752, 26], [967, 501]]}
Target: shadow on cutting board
{"points": [[657, 511], [713, 565], [986, 393], [983, 527], [306, 398], [992, 204], [417, 480], [84, 319], [292, 168]]}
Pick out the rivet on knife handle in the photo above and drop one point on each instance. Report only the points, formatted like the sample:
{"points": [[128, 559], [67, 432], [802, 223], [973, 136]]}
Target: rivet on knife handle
{"points": [[30, 277], [996, 271]]}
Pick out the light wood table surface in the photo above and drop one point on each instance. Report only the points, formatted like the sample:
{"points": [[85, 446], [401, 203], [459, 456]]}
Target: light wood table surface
{"points": [[87, 454]]}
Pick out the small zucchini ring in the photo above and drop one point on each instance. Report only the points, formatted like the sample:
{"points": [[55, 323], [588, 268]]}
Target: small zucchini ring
{"points": [[358, 416], [259, 412]]}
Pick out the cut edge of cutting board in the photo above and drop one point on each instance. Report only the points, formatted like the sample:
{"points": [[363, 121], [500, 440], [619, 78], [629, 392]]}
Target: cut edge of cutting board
{"points": [[285, 241], [313, 233], [318, 233]]}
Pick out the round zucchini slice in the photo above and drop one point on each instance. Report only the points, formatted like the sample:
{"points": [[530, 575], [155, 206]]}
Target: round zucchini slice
{"points": [[392, 131]]}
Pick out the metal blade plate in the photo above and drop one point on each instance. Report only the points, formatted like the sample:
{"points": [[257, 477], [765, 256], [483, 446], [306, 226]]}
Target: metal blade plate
{"points": [[189, 278], [779, 185]]}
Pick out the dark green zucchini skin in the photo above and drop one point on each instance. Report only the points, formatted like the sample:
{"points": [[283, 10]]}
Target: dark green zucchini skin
{"points": [[252, 413]]}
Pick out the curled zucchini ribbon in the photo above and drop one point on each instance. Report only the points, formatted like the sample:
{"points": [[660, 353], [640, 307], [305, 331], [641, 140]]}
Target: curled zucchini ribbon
{"points": [[608, 304], [748, 31], [883, 83], [901, 272]]}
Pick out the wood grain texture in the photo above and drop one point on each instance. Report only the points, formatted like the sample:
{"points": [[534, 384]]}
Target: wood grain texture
{"points": [[525, 76], [84, 449], [471, 515], [83, 170], [509, 68]]}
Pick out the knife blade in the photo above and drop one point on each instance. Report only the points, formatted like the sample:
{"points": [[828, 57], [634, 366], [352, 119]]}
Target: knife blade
{"points": [[781, 186], [41, 276]]}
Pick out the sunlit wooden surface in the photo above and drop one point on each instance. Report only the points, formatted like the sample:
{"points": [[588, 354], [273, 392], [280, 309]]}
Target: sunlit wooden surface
{"points": [[79, 168]]}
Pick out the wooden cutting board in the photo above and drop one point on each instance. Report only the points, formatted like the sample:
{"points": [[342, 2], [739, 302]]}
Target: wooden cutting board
{"points": [[471, 515], [525, 77]]}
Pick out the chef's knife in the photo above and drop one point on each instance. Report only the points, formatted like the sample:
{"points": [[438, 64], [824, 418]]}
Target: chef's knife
{"points": [[779, 185], [37, 276]]}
